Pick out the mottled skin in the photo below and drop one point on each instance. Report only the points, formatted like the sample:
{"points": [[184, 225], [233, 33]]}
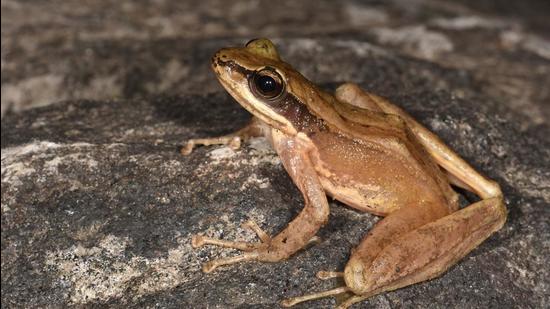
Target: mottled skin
{"points": [[371, 155]]}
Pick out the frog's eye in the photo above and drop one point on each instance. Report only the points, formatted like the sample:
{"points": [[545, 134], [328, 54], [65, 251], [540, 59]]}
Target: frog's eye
{"points": [[266, 84]]}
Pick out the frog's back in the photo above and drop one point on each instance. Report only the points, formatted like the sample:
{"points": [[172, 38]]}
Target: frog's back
{"points": [[380, 172]]}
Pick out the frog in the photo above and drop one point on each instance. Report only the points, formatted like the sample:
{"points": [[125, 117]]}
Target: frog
{"points": [[366, 152]]}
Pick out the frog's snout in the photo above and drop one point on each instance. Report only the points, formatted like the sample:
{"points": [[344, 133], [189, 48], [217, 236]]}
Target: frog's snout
{"points": [[215, 60], [219, 57]]}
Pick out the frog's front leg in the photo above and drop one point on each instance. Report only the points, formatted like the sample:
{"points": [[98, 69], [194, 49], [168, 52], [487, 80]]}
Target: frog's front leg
{"points": [[254, 128], [294, 153]]}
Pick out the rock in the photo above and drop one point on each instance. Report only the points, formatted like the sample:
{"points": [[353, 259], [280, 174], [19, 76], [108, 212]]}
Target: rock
{"points": [[98, 206]]}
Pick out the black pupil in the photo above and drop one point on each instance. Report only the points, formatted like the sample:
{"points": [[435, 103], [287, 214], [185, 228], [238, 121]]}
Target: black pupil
{"points": [[267, 84]]}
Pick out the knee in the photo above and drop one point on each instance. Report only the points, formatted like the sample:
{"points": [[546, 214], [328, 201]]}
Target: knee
{"points": [[347, 90], [355, 276]]}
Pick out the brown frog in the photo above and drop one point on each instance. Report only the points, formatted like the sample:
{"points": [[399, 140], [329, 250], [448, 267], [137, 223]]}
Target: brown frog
{"points": [[366, 152]]}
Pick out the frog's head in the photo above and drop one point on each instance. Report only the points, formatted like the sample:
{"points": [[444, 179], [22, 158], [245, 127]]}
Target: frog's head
{"points": [[266, 86]]}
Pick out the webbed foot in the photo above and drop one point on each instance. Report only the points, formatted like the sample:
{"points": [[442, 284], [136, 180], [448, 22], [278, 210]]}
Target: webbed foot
{"points": [[250, 249]]}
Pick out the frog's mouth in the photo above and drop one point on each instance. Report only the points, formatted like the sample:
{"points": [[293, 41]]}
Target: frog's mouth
{"points": [[234, 78]]}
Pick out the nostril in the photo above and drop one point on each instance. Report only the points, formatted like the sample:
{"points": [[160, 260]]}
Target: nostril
{"points": [[218, 56]]}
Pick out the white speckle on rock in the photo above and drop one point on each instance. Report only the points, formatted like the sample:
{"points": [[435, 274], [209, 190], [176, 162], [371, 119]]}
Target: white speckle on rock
{"points": [[53, 164], [362, 49], [22, 161], [94, 273], [114, 245], [13, 169], [12, 152], [533, 43], [437, 125], [300, 45], [221, 153], [253, 179], [417, 40], [510, 38], [537, 45], [468, 22], [12, 173], [33, 92], [259, 144], [259, 152], [102, 272], [168, 272]]}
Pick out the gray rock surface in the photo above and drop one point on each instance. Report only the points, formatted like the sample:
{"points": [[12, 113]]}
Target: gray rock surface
{"points": [[98, 207]]}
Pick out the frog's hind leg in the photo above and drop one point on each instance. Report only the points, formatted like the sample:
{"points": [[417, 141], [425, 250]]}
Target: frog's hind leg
{"points": [[337, 291], [429, 250], [323, 275], [254, 128], [423, 253], [289, 302]]}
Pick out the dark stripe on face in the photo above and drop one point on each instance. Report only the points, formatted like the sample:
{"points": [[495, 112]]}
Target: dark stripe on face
{"points": [[234, 67], [297, 113]]}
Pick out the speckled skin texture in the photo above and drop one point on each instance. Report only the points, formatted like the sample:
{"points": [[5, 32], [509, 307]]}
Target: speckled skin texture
{"points": [[98, 206]]}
